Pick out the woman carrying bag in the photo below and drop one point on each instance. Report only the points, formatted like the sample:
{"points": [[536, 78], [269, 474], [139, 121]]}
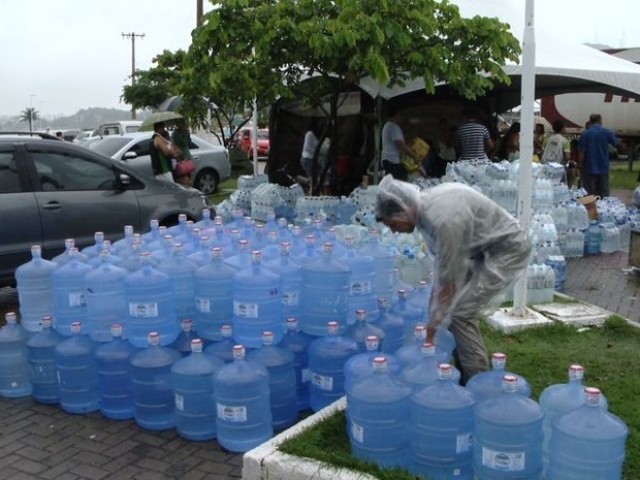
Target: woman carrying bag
{"points": [[185, 165]]}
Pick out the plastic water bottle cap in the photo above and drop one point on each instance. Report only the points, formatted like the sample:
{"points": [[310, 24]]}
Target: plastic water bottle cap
{"points": [[206, 213], [178, 247], [576, 372], [36, 251], [75, 328], [402, 293], [383, 303], [47, 321], [256, 256], [216, 252], [154, 223], [69, 243], [128, 230], [116, 330], [379, 364], [372, 342], [423, 284], [592, 396], [292, 323], [273, 236], [186, 324], [445, 371], [428, 349], [154, 338], [309, 240], [333, 328], [420, 332], [285, 248], [244, 244], [11, 317], [267, 338], [361, 315], [498, 361], [226, 331], [98, 237], [196, 345], [327, 248], [510, 383], [238, 352], [182, 218]]}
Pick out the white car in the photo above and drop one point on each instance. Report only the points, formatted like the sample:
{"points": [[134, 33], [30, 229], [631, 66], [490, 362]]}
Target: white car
{"points": [[212, 161]]}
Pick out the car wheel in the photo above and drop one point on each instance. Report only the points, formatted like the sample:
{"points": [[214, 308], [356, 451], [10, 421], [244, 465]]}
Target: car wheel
{"points": [[207, 181]]}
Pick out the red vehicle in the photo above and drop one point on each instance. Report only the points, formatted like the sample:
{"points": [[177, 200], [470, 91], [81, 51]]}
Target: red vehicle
{"points": [[243, 141]]}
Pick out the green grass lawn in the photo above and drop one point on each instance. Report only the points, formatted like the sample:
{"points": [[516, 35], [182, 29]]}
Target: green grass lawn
{"points": [[609, 354], [621, 178]]}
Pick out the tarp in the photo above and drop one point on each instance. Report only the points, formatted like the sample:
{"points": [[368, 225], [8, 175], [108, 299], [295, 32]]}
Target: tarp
{"points": [[562, 65]]}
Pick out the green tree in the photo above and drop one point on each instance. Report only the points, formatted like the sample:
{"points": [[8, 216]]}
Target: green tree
{"points": [[268, 48], [29, 115]]}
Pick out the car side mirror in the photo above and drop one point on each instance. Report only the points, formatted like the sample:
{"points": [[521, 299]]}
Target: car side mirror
{"points": [[125, 180], [129, 155]]}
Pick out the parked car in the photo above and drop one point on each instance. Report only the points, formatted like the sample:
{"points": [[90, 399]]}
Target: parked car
{"points": [[118, 128], [52, 190], [243, 140], [134, 149]]}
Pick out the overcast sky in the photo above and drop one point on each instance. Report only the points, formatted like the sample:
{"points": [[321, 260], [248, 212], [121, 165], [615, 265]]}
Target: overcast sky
{"points": [[64, 55]]}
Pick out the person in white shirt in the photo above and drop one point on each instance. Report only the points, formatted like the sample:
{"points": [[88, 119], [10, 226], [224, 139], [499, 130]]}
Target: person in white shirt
{"points": [[393, 145]]}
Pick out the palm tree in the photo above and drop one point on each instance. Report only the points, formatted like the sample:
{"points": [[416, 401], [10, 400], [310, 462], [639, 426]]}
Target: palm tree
{"points": [[29, 115]]}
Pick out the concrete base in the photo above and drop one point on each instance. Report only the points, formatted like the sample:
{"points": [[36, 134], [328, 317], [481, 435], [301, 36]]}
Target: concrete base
{"points": [[506, 320], [581, 314], [266, 461]]}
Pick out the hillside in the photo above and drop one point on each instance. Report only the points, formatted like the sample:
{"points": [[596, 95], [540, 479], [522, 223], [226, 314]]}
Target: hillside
{"points": [[83, 119]]}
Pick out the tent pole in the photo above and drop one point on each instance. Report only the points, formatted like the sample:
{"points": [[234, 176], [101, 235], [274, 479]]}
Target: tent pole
{"points": [[377, 130]]}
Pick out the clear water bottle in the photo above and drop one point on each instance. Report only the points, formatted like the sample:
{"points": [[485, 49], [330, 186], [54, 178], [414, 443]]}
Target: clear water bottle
{"points": [[35, 289], [257, 306], [425, 372], [279, 362], [77, 372], [489, 384], [297, 342], [213, 296], [508, 436], [411, 352], [187, 334], [378, 416], [391, 324], [383, 260], [362, 329], [223, 348], [325, 293], [327, 357], [105, 298], [291, 274], [192, 380], [242, 403], [14, 365], [411, 315], [69, 293], [587, 443], [441, 429], [42, 363], [360, 366], [151, 306], [153, 396], [181, 272], [115, 387]]}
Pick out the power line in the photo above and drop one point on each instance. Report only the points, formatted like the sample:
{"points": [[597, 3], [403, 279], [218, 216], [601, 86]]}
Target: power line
{"points": [[133, 36]]}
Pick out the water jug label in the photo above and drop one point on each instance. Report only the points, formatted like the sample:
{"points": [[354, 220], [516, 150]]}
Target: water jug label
{"points": [[464, 442], [203, 305], [359, 288], [179, 402], [503, 461], [305, 373], [232, 414], [291, 298], [76, 299], [357, 432], [143, 310], [245, 310], [322, 382], [44, 372]]}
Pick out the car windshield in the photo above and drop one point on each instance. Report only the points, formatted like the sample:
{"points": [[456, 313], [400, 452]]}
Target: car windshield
{"points": [[109, 145]]}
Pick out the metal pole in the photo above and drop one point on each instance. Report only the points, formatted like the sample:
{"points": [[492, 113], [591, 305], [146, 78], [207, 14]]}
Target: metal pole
{"points": [[31, 112], [254, 134], [133, 36], [527, 97]]}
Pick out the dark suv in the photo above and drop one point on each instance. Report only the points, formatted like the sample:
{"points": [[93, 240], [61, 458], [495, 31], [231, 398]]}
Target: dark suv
{"points": [[52, 190]]}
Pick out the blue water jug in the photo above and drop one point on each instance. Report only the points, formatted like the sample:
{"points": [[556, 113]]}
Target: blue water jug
{"points": [[411, 315], [325, 293], [105, 298], [114, 259], [327, 356], [192, 380], [441, 429], [310, 252], [489, 384], [35, 289], [153, 396], [77, 372], [180, 228], [42, 363], [411, 353], [223, 348], [508, 436], [360, 366], [297, 342], [65, 257], [96, 248], [150, 303], [271, 251], [362, 294], [593, 238], [242, 403], [242, 257], [383, 259], [391, 324], [560, 399], [291, 274], [15, 380], [378, 416], [213, 296], [115, 383], [181, 272], [425, 371], [362, 329], [257, 306], [587, 443], [69, 293], [282, 381], [182, 344], [398, 284]]}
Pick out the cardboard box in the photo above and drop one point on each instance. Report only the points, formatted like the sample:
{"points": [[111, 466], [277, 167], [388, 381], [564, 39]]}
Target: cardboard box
{"points": [[589, 201]]}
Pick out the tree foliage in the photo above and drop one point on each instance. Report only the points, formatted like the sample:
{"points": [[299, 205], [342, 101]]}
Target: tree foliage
{"points": [[29, 115]]}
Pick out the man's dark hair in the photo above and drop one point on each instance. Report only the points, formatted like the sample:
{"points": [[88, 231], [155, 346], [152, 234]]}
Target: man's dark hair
{"points": [[595, 118], [59, 133], [386, 208], [558, 125]]}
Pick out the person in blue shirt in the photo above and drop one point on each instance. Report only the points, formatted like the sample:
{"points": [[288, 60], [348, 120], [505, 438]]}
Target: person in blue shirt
{"points": [[593, 156]]}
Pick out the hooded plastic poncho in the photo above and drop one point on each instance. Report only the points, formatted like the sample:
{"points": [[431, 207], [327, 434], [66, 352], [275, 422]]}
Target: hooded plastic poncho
{"points": [[479, 249]]}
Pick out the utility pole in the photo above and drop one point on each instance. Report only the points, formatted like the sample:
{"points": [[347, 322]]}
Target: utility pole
{"points": [[199, 13], [133, 36]]}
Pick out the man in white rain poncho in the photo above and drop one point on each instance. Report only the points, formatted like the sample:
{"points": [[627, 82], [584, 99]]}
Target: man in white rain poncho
{"points": [[479, 251]]}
